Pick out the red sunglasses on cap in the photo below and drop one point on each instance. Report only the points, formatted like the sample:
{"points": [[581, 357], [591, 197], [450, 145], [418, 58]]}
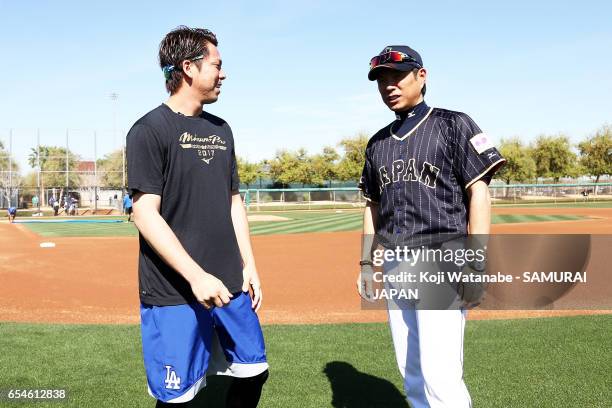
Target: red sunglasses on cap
{"points": [[391, 56]]}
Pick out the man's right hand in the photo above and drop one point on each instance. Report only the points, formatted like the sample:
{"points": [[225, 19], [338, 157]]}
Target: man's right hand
{"points": [[210, 291], [365, 283]]}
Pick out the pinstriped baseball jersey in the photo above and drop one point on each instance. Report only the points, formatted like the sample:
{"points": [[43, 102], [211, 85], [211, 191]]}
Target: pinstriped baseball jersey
{"points": [[420, 179]]}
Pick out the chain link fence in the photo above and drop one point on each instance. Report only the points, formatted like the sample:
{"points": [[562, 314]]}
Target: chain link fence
{"points": [[82, 168]]}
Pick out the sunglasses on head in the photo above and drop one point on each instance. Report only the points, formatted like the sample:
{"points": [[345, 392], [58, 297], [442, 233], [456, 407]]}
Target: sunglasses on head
{"points": [[391, 56], [167, 70]]}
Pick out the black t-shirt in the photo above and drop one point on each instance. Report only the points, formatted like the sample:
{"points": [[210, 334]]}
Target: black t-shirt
{"points": [[189, 162], [419, 178]]}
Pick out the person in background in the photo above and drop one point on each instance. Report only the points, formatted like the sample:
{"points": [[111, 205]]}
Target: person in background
{"points": [[56, 206], [127, 206], [73, 206], [12, 213]]}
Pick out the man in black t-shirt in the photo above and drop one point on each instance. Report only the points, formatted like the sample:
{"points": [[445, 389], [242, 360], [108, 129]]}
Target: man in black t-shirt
{"points": [[426, 178], [196, 264]]}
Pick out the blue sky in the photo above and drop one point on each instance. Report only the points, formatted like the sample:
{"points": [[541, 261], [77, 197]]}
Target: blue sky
{"points": [[297, 70]]}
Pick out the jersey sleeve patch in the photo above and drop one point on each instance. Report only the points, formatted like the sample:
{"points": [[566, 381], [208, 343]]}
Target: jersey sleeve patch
{"points": [[481, 142]]}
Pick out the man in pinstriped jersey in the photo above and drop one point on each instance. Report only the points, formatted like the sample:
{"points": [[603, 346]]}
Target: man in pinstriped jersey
{"points": [[425, 177]]}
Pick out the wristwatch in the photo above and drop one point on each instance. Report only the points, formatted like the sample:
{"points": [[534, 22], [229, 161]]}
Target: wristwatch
{"points": [[478, 266]]}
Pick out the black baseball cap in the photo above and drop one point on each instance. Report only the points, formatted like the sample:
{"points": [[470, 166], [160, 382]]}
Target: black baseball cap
{"points": [[383, 60]]}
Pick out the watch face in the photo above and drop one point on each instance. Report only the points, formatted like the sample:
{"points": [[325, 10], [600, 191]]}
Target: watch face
{"points": [[479, 266]]}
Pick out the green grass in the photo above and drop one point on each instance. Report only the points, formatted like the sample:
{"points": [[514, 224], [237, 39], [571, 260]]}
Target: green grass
{"points": [[557, 362], [561, 203], [520, 218], [306, 207], [579, 204], [299, 222], [84, 230], [324, 221]]}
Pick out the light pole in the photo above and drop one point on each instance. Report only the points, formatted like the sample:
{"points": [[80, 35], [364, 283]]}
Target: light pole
{"points": [[38, 175], [114, 97], [95, 138], [10, 169]]}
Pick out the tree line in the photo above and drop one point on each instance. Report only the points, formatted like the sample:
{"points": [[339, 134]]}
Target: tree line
{"points": [[298, 167], [554, 157], [549, 157]]}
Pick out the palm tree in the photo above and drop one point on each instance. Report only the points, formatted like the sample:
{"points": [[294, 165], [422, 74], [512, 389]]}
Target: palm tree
{"points": [[34, 161]]}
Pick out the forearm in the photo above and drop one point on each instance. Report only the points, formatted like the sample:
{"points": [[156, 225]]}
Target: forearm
{"points": [[370, 218], [479, 209], [480, 216], [164, 242], [241, 228]]}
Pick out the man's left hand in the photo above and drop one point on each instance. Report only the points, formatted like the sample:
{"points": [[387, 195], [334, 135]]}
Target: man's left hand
{"points": [[251, 280], [472, 293]]}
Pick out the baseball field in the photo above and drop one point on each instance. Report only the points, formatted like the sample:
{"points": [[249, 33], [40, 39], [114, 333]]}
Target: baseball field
{"points": [[69, 318]]}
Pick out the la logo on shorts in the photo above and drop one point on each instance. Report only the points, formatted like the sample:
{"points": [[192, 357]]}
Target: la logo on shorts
{"points": [[172, 381]]}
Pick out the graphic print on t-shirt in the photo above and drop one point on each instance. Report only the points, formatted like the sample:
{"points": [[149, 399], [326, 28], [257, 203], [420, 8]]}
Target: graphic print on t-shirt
{"points": [[204, 146]]}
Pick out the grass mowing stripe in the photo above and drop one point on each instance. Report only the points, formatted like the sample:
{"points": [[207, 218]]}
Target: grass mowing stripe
{"points": [[516, 218], [281, 227], [497, 219], [301, 222], [592, 204], [304, 227], [289, 229], [329, 226], [570, 217], [548, 218], [290, 225], [352, 226], [83, 230], [282, 224], [304, 214], [319, 218], [521, 218]]}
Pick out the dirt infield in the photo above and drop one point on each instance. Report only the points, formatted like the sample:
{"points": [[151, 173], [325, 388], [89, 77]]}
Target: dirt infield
{"points": [[307, 278]]}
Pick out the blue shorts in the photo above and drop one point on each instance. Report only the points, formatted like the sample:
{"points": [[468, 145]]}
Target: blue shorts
{"points": [[182, 344], [12, 210]]}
